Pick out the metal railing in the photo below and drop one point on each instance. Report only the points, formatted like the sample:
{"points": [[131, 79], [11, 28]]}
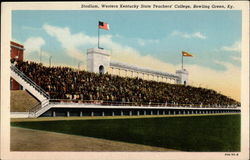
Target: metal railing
{"points": [[38, 106], [34, 107], [78, 103], [30, 82], [142, 104]]}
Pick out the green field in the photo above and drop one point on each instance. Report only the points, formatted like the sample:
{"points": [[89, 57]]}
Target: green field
{"points": [[197, 133]]}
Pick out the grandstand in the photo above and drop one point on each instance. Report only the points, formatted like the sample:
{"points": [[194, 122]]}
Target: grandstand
{"points": [[99, 61], [63, 91]]}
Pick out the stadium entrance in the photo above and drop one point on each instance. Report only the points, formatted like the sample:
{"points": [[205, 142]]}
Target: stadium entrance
{"points": [[101, 69]]}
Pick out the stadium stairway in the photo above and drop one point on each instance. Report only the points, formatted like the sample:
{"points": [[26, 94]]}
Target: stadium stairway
{"points": [[30, 86], [39, 109]]}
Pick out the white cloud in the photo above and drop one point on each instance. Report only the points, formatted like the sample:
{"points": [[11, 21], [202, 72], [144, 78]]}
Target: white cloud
{"points": [[236, 46], [189, 35], [236, 58], [143, 42], [70, 42], [33, 44], [199, 35], [130, 55]]}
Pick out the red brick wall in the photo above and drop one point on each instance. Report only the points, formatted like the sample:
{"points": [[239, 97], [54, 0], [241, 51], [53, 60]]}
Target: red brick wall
{"points": [[16, 52], [14, 85]]}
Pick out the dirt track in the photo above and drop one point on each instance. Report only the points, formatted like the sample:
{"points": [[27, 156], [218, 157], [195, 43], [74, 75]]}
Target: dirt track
{"points": [[35, 140]]}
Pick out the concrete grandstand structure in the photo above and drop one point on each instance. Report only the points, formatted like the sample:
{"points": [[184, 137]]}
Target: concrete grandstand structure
{"points": [[99, 62]]}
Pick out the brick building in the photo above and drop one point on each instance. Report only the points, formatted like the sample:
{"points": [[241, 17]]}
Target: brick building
{"points": [[16, 52]]}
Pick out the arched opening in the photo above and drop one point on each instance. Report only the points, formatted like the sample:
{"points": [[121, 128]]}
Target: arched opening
{"points": [[185, 83], [101, 69]]}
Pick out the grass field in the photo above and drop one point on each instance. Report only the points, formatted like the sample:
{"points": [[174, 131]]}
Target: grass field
{"points": [[197, 133]]}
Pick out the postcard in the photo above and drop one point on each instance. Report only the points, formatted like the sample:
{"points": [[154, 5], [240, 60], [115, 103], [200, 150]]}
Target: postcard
{"points": [[125, 80]]}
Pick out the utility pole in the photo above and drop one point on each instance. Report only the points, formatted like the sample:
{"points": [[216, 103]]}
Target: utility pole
{"points": [[50, 60], [79, 66]]}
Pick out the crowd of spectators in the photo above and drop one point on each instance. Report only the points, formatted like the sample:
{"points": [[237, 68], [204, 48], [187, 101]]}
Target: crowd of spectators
{"points": [[68, 83]]}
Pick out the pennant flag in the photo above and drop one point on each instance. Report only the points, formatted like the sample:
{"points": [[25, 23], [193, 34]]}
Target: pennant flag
{"points": [[186, 54], [103, 25]]}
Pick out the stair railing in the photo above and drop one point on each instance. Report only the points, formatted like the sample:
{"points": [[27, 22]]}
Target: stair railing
{"points": [[34, 109], [28, 80]]}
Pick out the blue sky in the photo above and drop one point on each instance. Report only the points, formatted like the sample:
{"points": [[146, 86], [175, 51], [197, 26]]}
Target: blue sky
{"points": [[152, 37], [162, 34]]}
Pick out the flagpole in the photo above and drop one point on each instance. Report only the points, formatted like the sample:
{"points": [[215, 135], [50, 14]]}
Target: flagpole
{"points": [[98, 35], [40, 55], [182, 61]]}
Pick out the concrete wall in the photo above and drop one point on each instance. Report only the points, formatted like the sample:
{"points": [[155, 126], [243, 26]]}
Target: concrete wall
{"points": [[79, 112], [146, 76], [96, 58], [183, 76]]}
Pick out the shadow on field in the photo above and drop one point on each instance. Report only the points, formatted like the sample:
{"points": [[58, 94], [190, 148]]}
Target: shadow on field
{"points": [[197, 133]]}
